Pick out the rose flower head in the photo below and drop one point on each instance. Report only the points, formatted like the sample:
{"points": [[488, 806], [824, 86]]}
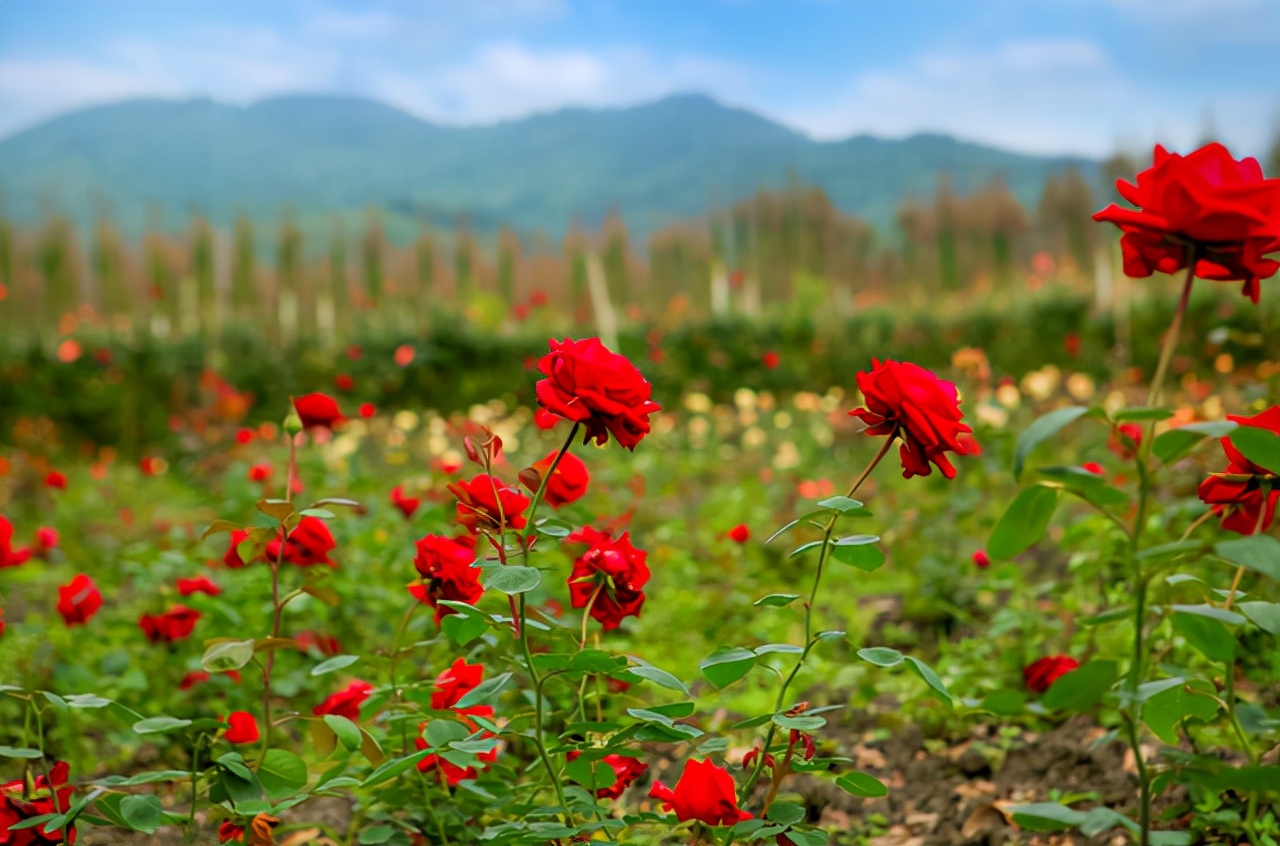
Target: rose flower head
{"points": [[587, 384]]}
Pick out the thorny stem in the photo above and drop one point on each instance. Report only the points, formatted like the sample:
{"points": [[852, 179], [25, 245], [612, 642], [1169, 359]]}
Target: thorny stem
{"points": [[745, 791], [276, 605]]}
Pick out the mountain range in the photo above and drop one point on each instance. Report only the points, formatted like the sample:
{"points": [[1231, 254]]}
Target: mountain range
{"points": [[155, 161]]}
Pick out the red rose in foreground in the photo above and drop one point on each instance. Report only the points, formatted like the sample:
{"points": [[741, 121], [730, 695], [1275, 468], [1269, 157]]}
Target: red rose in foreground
{"points": [[446, 567], [588, 384], [625, 771], [1225, 207], [923, 409], [609, 576], [1041, 674], [1238, 503], [406, 504], [10, 557], [200, 584], [740, 533], [485, 503], [307, 545], [569, 481], [173, 625], [78, 600], [346, 702], [1125, 440], [705, 793], [17, 805], [241, 728], [318, 411]]}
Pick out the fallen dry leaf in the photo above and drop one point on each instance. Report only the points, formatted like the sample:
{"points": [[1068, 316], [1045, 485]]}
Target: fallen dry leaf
{"points": [[984, 818]]}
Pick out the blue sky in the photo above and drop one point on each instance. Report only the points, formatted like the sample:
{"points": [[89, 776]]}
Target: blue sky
{"points": [[1084, 76]]}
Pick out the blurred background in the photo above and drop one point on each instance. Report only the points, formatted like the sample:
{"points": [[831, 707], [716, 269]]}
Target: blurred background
{"points": [[249, 187]]}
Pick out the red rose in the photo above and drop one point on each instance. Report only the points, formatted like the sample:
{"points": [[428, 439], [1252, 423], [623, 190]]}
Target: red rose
{"points": [[1125, 440], [192, 679], [260, 473], [318, 411], [1226, 208], [173, 625], [450, 772], [200, 584], [485, 504], [241, 728], [980, 559], [78, 600], [924, 411], [588, 384], [406, 504], [244, 436], [456, 682], [704, 792], [46, 541], [16, 805], [609, 576], [346, 702], [740, 533], [10, 557], [1238, 503], [771, 360], [307, 545], [1094, 467], [567, 484], [344, 382], [367, 410], [54, 479], [229, 832], [309, 641], [231, 558], [625, 771], [1041, 674], [446, 567]]}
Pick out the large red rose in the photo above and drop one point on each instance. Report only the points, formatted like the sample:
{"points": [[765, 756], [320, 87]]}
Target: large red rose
{"points": [[705, 793], [318, 411], [588, 384], [610, 576], [346, 702], [10, 557], [78, 600], [486, 503], [446, 568], [307, 545], [242, 727], [1225, 207], [567, 483], [17, 805], [1041, 674], [173, 625], [1238, 503], [923, 409]]}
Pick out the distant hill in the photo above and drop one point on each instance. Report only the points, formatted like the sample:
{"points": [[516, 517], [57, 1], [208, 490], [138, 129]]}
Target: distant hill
{"points": [[317, 155]]}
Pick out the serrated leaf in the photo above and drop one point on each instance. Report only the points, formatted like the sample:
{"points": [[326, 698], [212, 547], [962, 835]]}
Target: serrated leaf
{"points": [[844, 505], [347, 732], [659, 677]]}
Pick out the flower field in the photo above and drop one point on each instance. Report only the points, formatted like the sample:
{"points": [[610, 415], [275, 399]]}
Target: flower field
{"points": [[697, 585]]}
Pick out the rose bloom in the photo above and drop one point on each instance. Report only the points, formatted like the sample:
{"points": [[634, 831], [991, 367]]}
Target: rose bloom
{"points": [[55, 479], [346, 702], [1125, 440], [1040, 675], [1239, 504], [367, 410], [173, 625], [307, 545], [448, 771], [980, 559], [406, 504], [241, 728], [1094, 467], [771, 360], [17, 805], [310, 641], [231, 558], [456, 682], [244, 436], [569, 481], [609, 576], [446, 568], [261, 831], [46, 541], [740, 533], [10, 557], [344, 382], [485, 503], [625, 771], [318, 411], [1225, 208], [705, 793], [588, 384], [260, 473], [78, 600], [200, 584], [924, 411]]}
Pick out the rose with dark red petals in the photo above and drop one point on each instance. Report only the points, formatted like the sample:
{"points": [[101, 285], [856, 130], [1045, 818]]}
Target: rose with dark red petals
{"points": [[242, 727], [346, 702], [200, 584], [308, 545], [173, 625], [1040, 675], [705, 793], [10, 557], [485, 503], [566, 484], [625, 771], [609, 577], [46, 541], [1238, 502], [318, 411], [56, 480], [740, 533], [586, 383], [79, 600], [1125, 440], [447, 570], [981, 559], [924, 412], [48, 796], [406, 504]]}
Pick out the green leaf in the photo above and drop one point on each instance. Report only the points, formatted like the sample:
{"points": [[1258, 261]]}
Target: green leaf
{"points": [[926, 672], [844, 505], [512, 579], [777, 600], [1264, 615], [1165, 711], [282, 774], [786, 813], [463, 628], [375, 834], [395, 767], [659, 677], [19, 752], [1259, 553], [1207, 635], [484, 691], [801, 723], [142, 812], [1046, 816], [1175, 443], [1004, 703], [348, 733], [1082, 688], [1141, 413], [1261, 446], [727, 665], [881, 656], [159, 725], [591, 773], [772, 648], [861, 784], [1023, 523], [1212, 612], [228, 655], [858, 551], [88, 701], [337, 662], [804, 547], [1043, 428], [1169, 550]]}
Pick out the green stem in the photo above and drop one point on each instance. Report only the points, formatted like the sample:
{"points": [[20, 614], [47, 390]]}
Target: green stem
{"points": [[276, 606], [808, 618], [1171, 340], [195, 780], [395, 663]]}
